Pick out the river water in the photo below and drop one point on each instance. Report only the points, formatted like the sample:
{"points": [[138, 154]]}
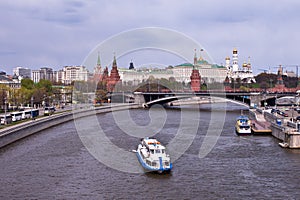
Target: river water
{"points": [[55, 164]]}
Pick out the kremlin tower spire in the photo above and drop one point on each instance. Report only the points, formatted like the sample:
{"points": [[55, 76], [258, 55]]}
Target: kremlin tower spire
{"points": [[279, 77], [279, 85], [195, 58], [98, 61], [114, 61], [97, 70], [114, 77]]}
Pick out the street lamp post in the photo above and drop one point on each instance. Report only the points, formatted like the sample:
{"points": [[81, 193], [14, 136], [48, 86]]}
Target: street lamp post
{"points": [[293, 113], [5, 102], [31, 107]]}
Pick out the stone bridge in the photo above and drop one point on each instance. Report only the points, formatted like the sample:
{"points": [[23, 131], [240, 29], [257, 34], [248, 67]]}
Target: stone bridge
{"points": [[151, 98], [244, 98]]}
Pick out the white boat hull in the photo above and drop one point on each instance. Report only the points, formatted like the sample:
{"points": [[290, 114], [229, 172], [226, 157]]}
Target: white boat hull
{"points": [[153, 157], [242, 126], [149, 168], [240, 131]]}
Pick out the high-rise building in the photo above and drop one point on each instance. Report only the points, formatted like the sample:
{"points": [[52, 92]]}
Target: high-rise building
{"points": [[45, 73], [22, 72], [59, 76], [74, 73], [35, 76]]}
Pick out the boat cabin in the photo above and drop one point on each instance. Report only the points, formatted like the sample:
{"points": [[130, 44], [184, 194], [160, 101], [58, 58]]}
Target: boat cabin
{"points": [[153, 146]]}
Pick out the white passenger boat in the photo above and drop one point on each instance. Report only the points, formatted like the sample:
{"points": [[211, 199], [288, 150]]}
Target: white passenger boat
{"points": [[152, 156], [242, 126]]}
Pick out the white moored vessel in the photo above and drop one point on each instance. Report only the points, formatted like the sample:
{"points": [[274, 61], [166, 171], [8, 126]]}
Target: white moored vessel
{"points": [[152, 156], [242, 126]]}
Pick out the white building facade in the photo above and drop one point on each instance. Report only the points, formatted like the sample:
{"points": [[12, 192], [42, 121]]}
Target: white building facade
{"points": [[73, 73], [209, 73], [235, 71], [22, 72], [45, 73]]}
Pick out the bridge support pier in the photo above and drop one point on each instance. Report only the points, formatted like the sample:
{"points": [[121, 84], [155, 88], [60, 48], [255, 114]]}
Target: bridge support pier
{"points": [[139, 99], [255, 100], [262, 99]]}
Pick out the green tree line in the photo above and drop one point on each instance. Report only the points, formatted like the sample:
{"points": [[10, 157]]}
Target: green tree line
{"points": [[37, 92]]}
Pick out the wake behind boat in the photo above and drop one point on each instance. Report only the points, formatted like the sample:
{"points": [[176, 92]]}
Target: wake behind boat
{"points": [[242, 126], [152, 156]]}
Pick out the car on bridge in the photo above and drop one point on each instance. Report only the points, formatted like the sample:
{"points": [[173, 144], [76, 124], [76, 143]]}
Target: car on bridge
{"points": [[282, 113], [273, 110]]}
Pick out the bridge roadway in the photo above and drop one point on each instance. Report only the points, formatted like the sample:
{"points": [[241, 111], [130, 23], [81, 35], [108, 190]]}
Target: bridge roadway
{"points": [[248, 98]]}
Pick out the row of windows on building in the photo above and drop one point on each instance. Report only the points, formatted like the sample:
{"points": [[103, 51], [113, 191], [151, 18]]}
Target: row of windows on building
{"points": [[65, 76]]}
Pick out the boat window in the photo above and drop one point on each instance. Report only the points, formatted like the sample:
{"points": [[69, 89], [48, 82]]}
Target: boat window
{"points": [[157, 151], [152, 151], [148, 162], [246, 127], [162, 151]]}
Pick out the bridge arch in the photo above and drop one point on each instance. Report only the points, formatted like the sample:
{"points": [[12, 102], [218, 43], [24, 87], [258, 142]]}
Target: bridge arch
{"points": [[169, 99]]}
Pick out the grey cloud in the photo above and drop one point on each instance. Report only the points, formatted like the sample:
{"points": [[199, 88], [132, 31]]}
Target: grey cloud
{"points": [[59, 33]]}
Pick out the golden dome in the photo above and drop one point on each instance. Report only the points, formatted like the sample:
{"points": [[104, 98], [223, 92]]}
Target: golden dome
{"points": [[235, 51]]}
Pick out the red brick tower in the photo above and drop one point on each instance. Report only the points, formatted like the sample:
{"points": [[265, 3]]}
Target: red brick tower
{"points": [[280, 85], [114, 77], [195, 80], [195, 76]]}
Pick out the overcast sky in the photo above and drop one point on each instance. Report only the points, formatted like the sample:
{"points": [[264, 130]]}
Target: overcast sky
{"points": [[56, 33]]}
